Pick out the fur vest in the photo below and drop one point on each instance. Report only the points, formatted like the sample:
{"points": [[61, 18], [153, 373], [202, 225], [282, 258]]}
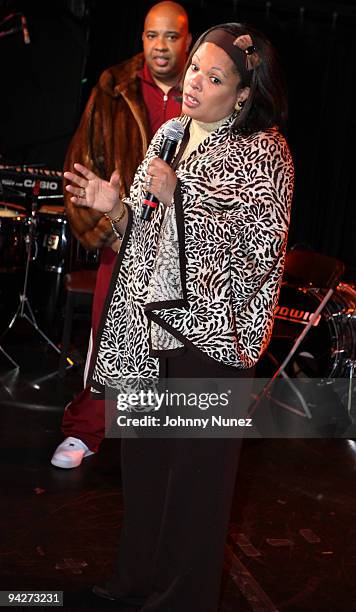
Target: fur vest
{"points": [[113, 134]]}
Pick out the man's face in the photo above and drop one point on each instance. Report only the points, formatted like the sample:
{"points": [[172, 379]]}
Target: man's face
{"points": [[165, 44]]}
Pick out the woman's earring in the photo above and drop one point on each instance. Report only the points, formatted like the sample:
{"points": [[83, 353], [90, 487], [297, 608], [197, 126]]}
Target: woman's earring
{"points": [[239, 105]]}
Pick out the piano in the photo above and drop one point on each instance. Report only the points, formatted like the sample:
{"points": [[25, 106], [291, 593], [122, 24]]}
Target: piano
{"points": [[17, 182]]}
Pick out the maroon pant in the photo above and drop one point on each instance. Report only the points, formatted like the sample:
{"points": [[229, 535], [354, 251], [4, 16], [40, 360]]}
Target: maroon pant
{"points": [[84, 417]]}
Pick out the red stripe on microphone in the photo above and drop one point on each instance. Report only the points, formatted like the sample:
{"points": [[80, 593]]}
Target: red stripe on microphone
{"points": [[149, 203]]}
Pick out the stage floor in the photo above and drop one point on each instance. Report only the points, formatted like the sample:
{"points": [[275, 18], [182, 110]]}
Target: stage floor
{"points": [[291, 543]]}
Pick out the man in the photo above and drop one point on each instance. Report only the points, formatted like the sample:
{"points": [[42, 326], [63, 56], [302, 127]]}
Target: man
{"points": [[127, 106]]}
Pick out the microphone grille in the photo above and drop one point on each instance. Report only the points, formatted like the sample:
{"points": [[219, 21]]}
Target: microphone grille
{"points": [[174, 130]]}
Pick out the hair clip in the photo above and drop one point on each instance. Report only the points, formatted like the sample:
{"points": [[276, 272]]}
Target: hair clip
{"points": [[244, 42]]}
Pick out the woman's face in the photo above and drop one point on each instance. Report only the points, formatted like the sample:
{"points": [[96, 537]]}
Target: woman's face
{"points": [[210, 89]]}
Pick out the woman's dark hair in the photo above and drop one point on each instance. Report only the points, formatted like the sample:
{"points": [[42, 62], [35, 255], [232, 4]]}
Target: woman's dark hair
{"points": [[266, 104]]}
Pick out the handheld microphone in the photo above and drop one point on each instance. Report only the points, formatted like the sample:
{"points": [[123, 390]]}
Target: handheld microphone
{"points": [[173, 132], [26, 35]]}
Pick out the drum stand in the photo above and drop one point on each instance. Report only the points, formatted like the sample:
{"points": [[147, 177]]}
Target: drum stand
{"points": [[352, 370], [24, 301], [313, 269], [281, 370], [16, 365]]}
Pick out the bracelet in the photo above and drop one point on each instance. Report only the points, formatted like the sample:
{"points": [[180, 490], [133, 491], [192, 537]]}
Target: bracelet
{"points": [[117, 219]]}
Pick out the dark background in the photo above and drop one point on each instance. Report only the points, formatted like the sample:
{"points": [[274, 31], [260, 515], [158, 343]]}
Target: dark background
{"points": [[45, 85]]}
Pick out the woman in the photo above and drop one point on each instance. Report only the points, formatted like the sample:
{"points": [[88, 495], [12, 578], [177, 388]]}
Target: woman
{"points": [[194, 296]]}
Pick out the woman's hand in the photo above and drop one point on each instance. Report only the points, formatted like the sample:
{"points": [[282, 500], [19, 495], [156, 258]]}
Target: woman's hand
{"points": [[91, 191], [161, 180]]}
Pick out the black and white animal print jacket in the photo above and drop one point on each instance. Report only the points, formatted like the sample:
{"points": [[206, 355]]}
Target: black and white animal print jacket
{"points": [[207, 273]]}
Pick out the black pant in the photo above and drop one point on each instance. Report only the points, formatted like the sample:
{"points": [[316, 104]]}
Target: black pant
{"points": [[177, 497]]}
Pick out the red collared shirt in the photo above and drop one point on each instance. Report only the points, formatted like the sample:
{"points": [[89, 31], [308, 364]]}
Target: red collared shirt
{"points": [[160, 106]]}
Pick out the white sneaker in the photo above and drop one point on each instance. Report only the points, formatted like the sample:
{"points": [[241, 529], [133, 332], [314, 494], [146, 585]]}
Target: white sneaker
{"points": [[70, 453]]}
